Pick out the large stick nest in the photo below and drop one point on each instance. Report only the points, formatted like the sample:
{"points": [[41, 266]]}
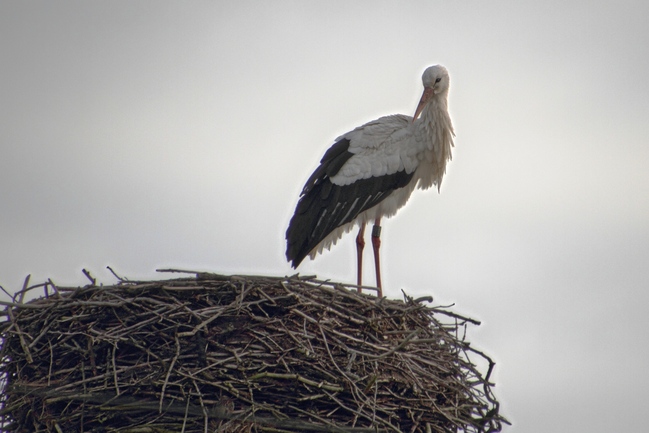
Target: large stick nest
{"points": [[238, 354]]}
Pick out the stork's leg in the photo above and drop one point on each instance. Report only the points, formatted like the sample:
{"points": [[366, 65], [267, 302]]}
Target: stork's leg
{"points": [[360, 244], [376, 244]]}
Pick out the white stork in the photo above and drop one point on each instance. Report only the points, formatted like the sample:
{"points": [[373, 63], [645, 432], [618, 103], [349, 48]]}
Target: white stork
{"points": [[370, 172]]}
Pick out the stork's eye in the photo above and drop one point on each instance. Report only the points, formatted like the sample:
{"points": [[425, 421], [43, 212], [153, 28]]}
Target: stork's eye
{"points": [[438, 79]]}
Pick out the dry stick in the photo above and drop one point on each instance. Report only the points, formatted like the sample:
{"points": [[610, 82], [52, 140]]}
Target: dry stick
{"points": [[24, 290], [330, 283], [85, 391], [331, 426], [201, 325], [56, 290], [186, 414], [401, 345], [49, 372], [333, 361], [299, 378], [90, 277], [23, 343], [376, 393], [20, 306], [358, 341], [35, 286], [120, 279], [360, 414], [114, 371], [200, 399], [179, 271], [353, 383], [5, 292], [441, 310], [171, 367], [42, 334]]}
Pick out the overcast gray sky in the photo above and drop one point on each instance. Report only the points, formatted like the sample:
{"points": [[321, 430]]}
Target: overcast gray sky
{"points": [[143, 135]]}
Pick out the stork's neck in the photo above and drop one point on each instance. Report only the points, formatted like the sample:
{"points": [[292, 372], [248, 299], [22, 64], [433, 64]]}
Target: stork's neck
{"points": [[436, 130], [435, 119]]}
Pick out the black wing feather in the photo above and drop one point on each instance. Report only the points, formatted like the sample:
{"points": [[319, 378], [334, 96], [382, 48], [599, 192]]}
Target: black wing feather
{"points": [[332, 161], [324, 206]]}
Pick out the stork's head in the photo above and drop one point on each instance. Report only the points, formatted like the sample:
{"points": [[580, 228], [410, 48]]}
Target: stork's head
{"points": [[436, 82], [436, 77]]}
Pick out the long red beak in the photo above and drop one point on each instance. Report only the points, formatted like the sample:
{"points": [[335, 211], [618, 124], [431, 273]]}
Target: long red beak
{"points": [[428, 93]]}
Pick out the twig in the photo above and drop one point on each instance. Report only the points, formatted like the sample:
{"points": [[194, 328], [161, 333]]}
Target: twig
{"points": [[56, 290], [90, 277], [171, 367], [21, 337], [114, 372], [24, 289], [178, 271], [120, 279]]}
